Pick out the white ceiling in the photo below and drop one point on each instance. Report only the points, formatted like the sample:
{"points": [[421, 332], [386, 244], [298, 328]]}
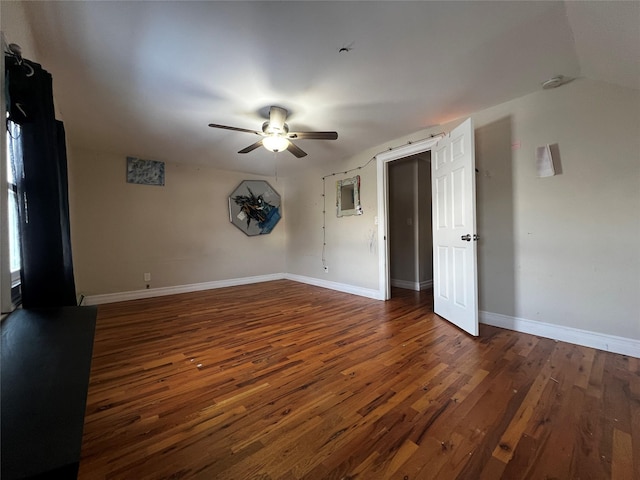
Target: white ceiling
{"points": [[145, 78]]}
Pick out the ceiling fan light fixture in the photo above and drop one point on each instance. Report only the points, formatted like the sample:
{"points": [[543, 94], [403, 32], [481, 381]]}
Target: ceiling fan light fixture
{"points": [[275, 143]]}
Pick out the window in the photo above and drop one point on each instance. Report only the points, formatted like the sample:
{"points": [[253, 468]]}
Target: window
{"points": [[14, 161]]}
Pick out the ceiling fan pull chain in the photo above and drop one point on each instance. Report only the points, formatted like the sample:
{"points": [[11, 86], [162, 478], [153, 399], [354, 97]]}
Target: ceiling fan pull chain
{"points": [[275, 163]]}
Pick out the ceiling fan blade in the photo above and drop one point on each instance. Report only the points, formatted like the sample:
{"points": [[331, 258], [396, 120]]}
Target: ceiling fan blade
{"points": [[251, 148], [313, 135], [297, 151], [235, 129]]}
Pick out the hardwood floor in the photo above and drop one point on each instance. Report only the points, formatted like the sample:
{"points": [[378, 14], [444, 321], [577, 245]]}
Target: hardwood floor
{"points": [[282, 380]]}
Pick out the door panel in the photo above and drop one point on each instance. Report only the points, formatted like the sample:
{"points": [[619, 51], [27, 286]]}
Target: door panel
{"points": [[460, 268], [458, 198], [441, 266], [440, 200]]}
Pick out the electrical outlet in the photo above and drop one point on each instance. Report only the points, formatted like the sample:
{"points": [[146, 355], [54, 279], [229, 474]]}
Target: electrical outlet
{"points": [[147, 277], [326, 269]]}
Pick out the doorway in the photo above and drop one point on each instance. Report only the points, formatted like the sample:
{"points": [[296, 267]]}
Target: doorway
{"points": [[454, 234], [410, 235], [385, 159]]}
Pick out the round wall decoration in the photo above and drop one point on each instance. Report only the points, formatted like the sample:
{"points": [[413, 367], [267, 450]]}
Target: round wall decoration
{"points": [[254, 207]]}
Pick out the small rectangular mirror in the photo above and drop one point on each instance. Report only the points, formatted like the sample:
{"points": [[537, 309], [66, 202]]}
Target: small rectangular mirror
{"points": [[348, 196]]}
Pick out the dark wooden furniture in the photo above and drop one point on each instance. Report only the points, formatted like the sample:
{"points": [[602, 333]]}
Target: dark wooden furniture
{"points": [[46, 361]]}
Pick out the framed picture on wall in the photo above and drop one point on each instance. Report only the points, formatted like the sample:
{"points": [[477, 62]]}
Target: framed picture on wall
{"points": [[145, 172], [254, 207], [348, 197]]}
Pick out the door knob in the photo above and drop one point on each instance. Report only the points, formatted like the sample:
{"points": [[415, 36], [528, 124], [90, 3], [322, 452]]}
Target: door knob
{"points": [[466, 237]]}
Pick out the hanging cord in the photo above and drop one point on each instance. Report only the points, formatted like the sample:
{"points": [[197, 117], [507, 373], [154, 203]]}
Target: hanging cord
{"points": [[324, 196], [324, 224], [353, 169], [324, 206], [275, 164], [15, 135]]}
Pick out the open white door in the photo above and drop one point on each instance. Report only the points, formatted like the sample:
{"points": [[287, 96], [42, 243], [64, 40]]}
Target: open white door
{"points": [[453, 183]]}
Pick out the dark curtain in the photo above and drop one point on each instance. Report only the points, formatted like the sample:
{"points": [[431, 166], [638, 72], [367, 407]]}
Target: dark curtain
{"points": [[47, 267]]}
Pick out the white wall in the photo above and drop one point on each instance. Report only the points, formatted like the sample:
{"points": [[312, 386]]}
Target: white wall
{"points": [[561, 250], [180, 233], [569, 243], [16, 28], [351, 242]]}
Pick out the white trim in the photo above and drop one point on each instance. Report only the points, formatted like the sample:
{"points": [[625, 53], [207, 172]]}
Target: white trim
{"points": [[340, 287], [406, 284], [417, 286], [196, 287], [382, 160], [416, 222], [162, 291], [383, 245], [601, 341], [426, 284]]}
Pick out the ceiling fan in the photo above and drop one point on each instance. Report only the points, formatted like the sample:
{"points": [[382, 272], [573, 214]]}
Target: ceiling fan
{"points": [[276, 136]]}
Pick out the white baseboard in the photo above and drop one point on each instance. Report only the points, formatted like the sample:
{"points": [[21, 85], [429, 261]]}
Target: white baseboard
{"points": [[341, 287], [162, 291], [417, 286], [601, 341], [426, 284], [196, 287], [406, 284]]}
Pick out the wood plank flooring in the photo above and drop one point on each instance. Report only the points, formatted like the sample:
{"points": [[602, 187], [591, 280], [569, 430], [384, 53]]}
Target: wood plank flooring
{"points": [[282, 380]]}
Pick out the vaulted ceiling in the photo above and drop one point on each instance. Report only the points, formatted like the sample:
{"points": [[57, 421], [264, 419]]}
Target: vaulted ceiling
{"points": [[145, 78]]}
